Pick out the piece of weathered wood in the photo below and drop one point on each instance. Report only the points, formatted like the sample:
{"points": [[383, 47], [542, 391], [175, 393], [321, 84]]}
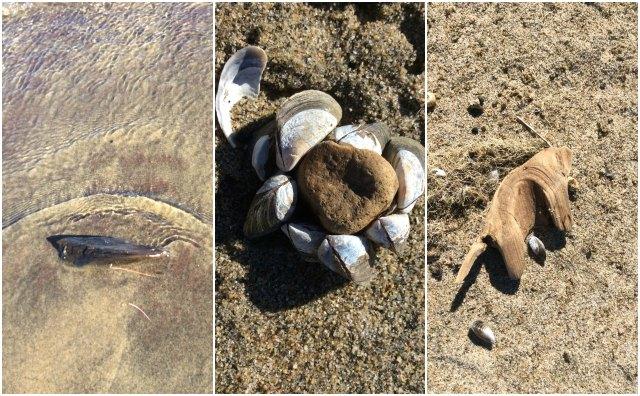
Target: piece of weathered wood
{"points": [[539, 182]]}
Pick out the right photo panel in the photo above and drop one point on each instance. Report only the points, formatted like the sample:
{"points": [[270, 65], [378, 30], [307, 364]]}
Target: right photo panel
{"points": [[532, 198]]}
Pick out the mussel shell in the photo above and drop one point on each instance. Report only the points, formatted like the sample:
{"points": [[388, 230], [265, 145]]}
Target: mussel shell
{"points": [[303, 120], [263, 151], [410, 180], [349, 256], [390, 231], [272, 205], [240, 78], [305, 238], [372, 137], [399, 143], [483, 333], [536, 246]]}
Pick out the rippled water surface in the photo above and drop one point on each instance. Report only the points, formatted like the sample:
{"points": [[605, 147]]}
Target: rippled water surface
{"points": [[107, 130]]}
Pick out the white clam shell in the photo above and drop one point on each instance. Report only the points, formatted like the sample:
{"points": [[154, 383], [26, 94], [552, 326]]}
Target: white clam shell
{"points": [[260, 156], [410, 180], [390, 231], [368, 137], [349, 256], [272, 205], [483, 332], [306, 238], [303, 121], [536, 246], [240, 78]]}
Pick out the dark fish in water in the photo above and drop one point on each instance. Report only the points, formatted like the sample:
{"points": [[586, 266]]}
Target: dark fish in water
{"points": [[83, 249]]}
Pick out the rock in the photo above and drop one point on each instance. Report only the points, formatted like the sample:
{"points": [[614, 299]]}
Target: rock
{"points": [[347, 188], [431, 101]]}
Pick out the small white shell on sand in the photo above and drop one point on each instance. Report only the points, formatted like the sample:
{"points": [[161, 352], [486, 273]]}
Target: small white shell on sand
{"points": [[240, 78], [483, 332], [431, 100], [439, 172], [536, 246]]}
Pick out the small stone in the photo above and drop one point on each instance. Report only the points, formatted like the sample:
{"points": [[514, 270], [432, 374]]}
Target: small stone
{"points": [[347, 188], [439, 172], [431, 101], [607, 173]]}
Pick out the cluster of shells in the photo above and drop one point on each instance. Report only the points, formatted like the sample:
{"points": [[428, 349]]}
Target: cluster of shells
{"points": [[303, 121]]}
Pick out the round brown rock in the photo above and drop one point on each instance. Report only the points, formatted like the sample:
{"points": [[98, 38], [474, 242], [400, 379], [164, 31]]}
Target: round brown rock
{"points": [[347, 188]]}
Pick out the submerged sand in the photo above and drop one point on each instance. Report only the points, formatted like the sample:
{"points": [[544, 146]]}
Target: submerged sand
{"points": [[284, 325], [570, 70], [107, 131]]}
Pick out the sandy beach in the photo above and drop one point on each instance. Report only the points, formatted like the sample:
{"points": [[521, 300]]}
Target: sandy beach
{"points": [[284, 325], [570, 71]]}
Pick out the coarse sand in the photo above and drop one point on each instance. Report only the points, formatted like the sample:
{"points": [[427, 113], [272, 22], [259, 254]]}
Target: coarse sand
{"points": [[570, 71], [284, 325]]}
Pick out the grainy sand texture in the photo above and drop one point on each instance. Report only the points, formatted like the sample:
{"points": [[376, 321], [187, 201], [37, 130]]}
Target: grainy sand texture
{"points": [[570, 71], [284, 325], [106, 130]]}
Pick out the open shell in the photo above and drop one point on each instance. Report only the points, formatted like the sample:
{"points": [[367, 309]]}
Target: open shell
{"points": [[369, 136], [349, 256], [240, 78], [390, 231], [306, 238], [303, 120], [273, 205]]}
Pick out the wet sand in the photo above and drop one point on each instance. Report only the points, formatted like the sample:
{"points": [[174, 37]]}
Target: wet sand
{"points": [[570, 70], [107, 131], [284, 325]]}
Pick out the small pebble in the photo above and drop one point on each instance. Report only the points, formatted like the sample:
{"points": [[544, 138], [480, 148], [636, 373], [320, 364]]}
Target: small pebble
{"points": [[431, 100], [606, 173], [439, 172], [494, 175], [573, 188]]}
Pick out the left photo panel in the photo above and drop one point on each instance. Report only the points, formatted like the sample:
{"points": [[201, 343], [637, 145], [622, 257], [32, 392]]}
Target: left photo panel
{"points": [[107, 145]]}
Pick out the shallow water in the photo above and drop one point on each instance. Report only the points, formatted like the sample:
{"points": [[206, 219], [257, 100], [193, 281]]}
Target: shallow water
{"points": [[107, 131]]}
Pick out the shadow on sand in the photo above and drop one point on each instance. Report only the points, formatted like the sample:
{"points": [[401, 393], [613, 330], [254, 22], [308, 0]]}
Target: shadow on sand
{"points": [[552, 238]]}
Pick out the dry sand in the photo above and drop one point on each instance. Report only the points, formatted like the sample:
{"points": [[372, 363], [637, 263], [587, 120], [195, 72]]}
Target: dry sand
{"points": [[284, 325], [570, 70]]}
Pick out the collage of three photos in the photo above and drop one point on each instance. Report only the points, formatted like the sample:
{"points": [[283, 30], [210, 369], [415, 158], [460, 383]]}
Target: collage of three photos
{"points": [[401, 197]]}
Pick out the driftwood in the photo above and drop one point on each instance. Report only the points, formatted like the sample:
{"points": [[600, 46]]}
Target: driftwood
{"points": [[539, 183]]}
